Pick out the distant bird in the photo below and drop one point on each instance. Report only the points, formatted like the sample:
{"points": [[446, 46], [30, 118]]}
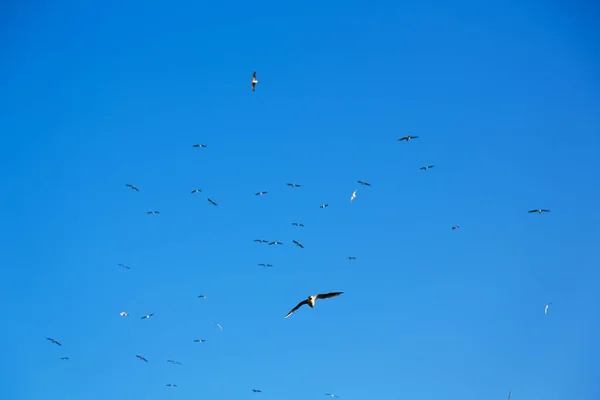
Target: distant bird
{"points": [[147, 316], [260, 193], [54, 341], [257, 390], [353, 196], [331, 395], [212, 202], [123, 314], [297, 224], [254, 80], [133, 187], [123, 266], [152, 212], [171, 385], [509, 394], [202, 296], [196, 191], [199, 145], [265, 265], [311, 301], [351, 258], [174, 362], [297, 243], [64, 358], [455, 227], [538, 211], [199, 340], [261, 241], [293, 184], [219, 326], [425, 168], [364, 183], [141, 358], [275, 242], [324, 205], [546, 308], [407, 138]]}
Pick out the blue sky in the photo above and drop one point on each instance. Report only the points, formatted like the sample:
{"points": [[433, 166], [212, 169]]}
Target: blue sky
{"points": [[504, 99]]}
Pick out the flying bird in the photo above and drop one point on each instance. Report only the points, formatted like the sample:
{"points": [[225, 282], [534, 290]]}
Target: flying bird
{"points": [[199, 340], [152, 212], [293, 184], [171, 385], [133, 187], [509, 394], [147, 316], [455, 227], [64, 358], [425, 168], [257, 390], [311, 301], [538, 211], [54, 341], [123, 314], [202, 296], [297, 224], [297, 243], [546, 308], [174, 362], [212, 202], [199, 145], [265, 265], [351, 258], [123, 266], [275, 242], [254, 80], [407, 138], [364, 183], [353, 196], [220, 327], [324, 205], [260, 193], [141, 358], [331, 395], [196, 191], [261, 241]]}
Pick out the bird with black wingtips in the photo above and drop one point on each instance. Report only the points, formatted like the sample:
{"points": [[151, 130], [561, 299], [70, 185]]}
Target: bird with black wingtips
{"points": [[297, 243], [260, 193], [147, 316], [275, 243], [297, 224], [324, 205], [133, 187], [312, 299], [254, 81], [425, 168], [196, 191], [539, 211], [54, 341], [293, 185], [364, 183], [212, 202], [141, 358], [407, 138], [199, 145]]}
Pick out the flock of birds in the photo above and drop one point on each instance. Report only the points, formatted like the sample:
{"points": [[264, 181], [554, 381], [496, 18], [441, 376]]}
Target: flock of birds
{"points": [[311, 300]]}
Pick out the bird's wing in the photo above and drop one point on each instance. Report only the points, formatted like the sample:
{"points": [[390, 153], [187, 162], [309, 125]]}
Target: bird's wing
{"points": [[254, 75], [532, 211], [328, 295], [297, 307], [545, 210]]}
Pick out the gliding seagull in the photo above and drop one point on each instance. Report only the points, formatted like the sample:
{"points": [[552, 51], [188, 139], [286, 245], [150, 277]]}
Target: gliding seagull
{"points": [[257, 390], [199, 145], [546, 308], [196, 191], [171, 385], [275, 242], [425, 168], [141, 358], [132, 187], [260, 193], [332, 395], [123, 314], [212, 201], [364, 183], [64, 358], [311, 301], [254, 80], [265, 265], [353, 196], [293, 184], [297, 243], [324, 205], [147, 316], [152, 212], [53, 341], [407, 138], [297, 224], [174, 362], [123, 266], [261, 241], [538, 211]]}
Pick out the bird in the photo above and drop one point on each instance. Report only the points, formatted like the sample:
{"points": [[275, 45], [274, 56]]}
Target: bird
{"points": [[147, 316], [171, 385], [260, 193], [123, 314], [219, 326], [332, 395], [275, 242], [199, 340], [351, 258], [353, 196], [64, 358], [297, 224], [538, 211], [425, 168], [546, 308], [152, 212], [174, 362], [212, 202], [324, 205], [196, 191], [407, 138], [509, 394], [199, 145], [293, 184], [311, 301], [297, 243], [455, 227], [133, 187], [265, 265], [364, 183], [123, 266], [54, 341], [141, 358], [202, 296], [254, 80], [257, 390], [261, 241]]}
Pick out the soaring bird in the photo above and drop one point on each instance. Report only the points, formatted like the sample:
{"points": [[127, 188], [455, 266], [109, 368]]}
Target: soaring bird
{"points": [[219, 326], [171, 385], [196, 191], [293, 184], [353, 196], [425, 168], [297, 243], [64, 358], [324, 205], [254, 80], [275, 242], [364, 183], [261, 241], [257, 390], [332, 395], [265, 265], [260, 193], [123, 266], [455, 227], [212, 202], [54, 341], [152, 212], [202, 296], [351, 258], [147, 316], [174, 362], [509, 394], [123, 314], [199, 145], [133, 187], [311, 301], [141, 358], [297, 224], [538, 211], [546, 308], [199, 340], [407, 138]]}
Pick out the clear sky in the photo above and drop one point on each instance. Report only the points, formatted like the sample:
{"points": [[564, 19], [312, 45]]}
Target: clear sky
{"points": [[504, 97]]}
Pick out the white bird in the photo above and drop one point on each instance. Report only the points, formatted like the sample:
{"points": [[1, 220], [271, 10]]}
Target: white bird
{"points": [[546, 308], [123, 314], [220, 327], [353, 196], [311, 301]]}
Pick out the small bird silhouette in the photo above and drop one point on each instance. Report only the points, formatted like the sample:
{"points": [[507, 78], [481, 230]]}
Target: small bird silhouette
{"points": [[538, 211], [324, 205], [297, 243], [212, 202], [261, 241], [293, 184], [275, 243], [199, 145], [196, 191], [142, 358], [123, 266], [364, 183], [425, 168], [54, 341], [407, 138], [64, 358], [147, 316], [254, 81], [297, 224], [200, 340], [133, 187], [123, 314], [152, 212], [260, 193]]}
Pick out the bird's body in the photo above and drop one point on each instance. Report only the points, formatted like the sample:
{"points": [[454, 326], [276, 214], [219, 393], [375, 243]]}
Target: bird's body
{"points": [[297, 243], [407, 138], [324, 205], [147, 316], [133, 187], [212, 202], [539, 211], [260, 193], [311, 301], [219, 326], [123, 314], [425, 168], [364, 183], [254, 81], [54, 341]]}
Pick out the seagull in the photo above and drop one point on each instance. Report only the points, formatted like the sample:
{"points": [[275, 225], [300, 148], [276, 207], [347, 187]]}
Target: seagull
{"points": [[297, 243], [297, 224], [509, 394], [199, 340], [123, 314], [351, 258], [123, 266], [324, 205], [260, 193], [546, 308], [364, 183], [293, 184], [199, 145], [202, 296], [219, 326], [254, 80], [54, 341], [174, 362], [261, 241], [332, 395], [538, 211], [141, 358], [425, 168], [64, 358], [196, 191], [265, 265], [152, 212], [257, 390], [407, 138], [455, 227], [147, 316], [311, 301], [353, 196], [133, 187], [171, 385], [275, 242], [212, 202]]}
